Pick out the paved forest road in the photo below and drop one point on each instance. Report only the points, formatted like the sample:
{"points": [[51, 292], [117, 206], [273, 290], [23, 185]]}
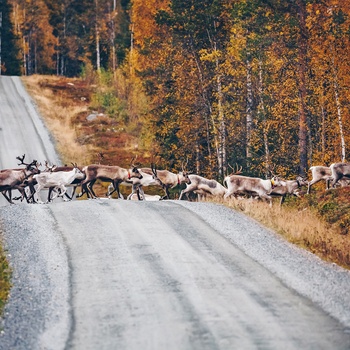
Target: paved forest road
{"points": [[116, 274]]}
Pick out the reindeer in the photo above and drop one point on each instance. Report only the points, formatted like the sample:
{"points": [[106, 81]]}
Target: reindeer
{"points": [[203, 187], [166, 179], [288, 187], [114, 174], [14, 178], [57, 180], [340, 171], [254, 186], [75, 183], [320, 172], [28, 182]]}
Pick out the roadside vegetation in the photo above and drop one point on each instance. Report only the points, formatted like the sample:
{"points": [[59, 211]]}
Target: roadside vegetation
{"points": [[318, 222], [5, 279]]}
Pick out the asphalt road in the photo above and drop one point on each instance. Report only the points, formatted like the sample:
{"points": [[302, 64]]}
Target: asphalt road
{"points": [[116, 274]]}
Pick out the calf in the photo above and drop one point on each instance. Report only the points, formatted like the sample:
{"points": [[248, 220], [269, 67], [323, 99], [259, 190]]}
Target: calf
{"points": [[203, 187], [254, 186]]}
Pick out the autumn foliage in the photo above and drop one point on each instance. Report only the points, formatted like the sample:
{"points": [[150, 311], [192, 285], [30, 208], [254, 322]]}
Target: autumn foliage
{"points": [[260, 84]]}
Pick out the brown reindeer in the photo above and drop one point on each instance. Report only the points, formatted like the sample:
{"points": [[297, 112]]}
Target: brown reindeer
{"points": [[106, 173], [166, 179], [11, 179]]}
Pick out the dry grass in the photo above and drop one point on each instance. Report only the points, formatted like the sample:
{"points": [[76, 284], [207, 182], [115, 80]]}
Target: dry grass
{"points": [[58, 113], [303, 227]]}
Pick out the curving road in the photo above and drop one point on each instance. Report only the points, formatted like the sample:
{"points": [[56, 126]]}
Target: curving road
{"points": [[114, 274]]}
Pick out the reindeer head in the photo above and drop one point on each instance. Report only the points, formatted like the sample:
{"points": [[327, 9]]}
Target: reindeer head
{"points": [[155, 175], [183, 174]]}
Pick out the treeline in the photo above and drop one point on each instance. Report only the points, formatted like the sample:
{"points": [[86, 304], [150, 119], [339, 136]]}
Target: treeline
{"points": [[259, 83], [62, 37]]}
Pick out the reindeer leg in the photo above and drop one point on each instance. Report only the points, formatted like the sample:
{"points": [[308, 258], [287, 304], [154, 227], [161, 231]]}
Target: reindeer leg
{"points": [[116, 188], [39, 188], [72, 195], [6, 196], [49, 199], [167, 194], [140, 193], [90, 188]]}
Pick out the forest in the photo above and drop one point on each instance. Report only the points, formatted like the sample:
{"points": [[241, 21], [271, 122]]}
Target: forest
{"points": [[257, 84]]}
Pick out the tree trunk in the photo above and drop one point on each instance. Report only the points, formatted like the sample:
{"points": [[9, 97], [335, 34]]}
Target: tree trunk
{"points": [[339, 109], [206, 103], [249, 114], [261, 109], [302, 67], [222, 131], [97, 34]]}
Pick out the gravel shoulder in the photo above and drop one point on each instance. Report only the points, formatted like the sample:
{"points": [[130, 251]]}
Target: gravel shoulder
{"points": [[38, 308], [326, 284]]}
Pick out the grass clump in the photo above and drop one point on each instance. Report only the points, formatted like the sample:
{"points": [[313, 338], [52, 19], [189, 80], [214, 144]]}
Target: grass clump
{"points": [[5, 279]]}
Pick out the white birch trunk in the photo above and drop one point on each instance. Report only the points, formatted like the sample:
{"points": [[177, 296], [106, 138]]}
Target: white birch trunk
{"points": [[261, 109], [249, 113], [339, 112], [97, 33]]}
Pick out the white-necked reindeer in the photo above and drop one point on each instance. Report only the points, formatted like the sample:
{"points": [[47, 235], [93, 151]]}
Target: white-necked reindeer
{"points": [[57, 180]]}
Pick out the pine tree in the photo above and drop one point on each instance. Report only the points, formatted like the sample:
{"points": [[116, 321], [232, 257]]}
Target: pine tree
{"points": [[9, 62]]}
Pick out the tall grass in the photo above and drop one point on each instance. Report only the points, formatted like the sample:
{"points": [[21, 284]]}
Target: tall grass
{"points": [[301, 224]]}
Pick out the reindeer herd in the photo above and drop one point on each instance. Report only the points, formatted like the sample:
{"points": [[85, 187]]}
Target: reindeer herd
{"points": [[29, 180]]}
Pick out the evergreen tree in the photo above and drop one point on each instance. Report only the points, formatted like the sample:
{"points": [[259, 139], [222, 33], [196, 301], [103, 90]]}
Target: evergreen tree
{"points": [[10, 64]]}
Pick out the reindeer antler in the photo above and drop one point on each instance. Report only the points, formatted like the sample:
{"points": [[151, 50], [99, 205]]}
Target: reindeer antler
{"points": [[100, 156], [155, 175], [21, 159], [132, 162], [236, 171]]}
